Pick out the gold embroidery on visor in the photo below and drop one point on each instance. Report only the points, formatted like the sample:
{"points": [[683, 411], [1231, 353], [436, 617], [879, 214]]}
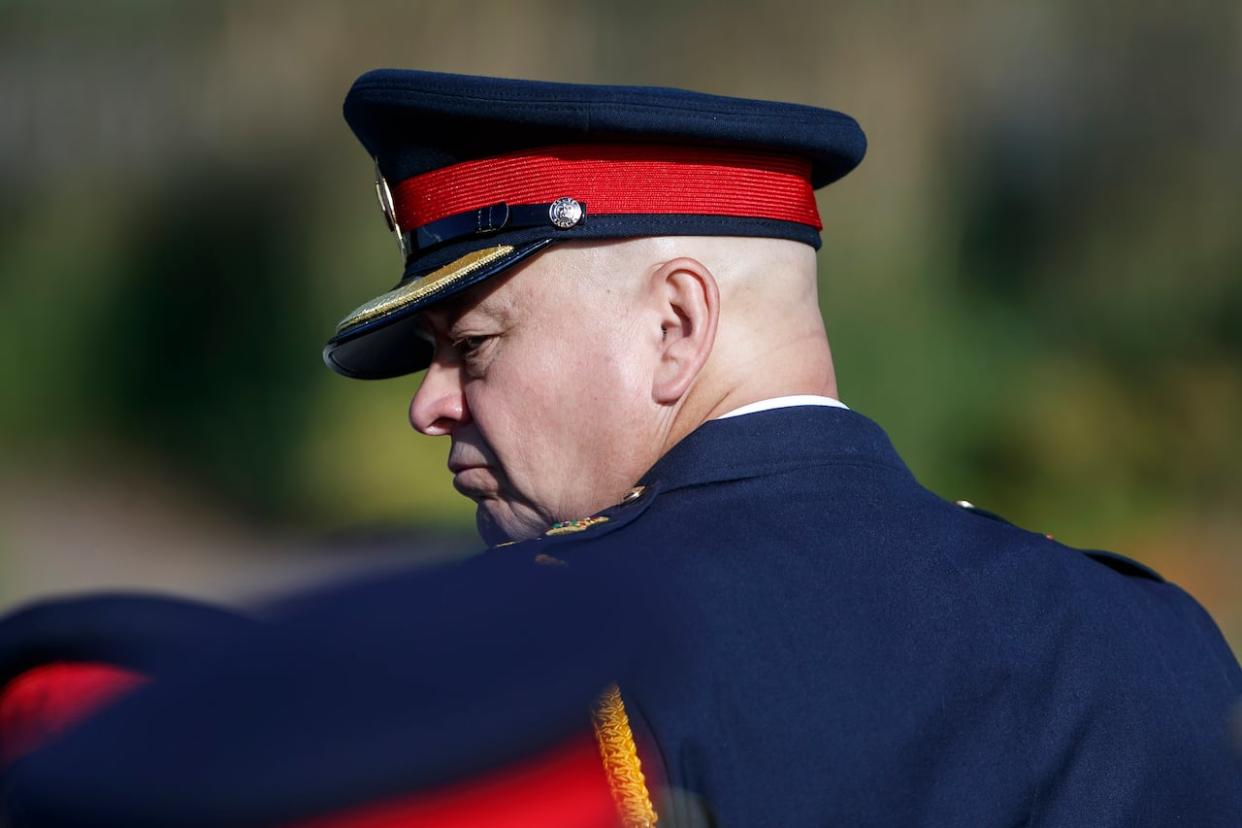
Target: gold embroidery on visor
{"points": [[434, 282]]}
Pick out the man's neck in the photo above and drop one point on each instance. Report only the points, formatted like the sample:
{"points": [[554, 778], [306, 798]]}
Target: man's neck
{"points": [[688, 419], [742, 372]]}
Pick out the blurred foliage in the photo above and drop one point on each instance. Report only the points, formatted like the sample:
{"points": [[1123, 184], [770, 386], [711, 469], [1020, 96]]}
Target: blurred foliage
{"points": [[1032, 281]]}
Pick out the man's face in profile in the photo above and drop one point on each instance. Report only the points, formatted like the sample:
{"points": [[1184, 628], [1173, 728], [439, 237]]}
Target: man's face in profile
{"points": [[542, 380]]}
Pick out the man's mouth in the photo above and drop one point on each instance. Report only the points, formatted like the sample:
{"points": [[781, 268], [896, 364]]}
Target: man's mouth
{"points": [[475, 482]]}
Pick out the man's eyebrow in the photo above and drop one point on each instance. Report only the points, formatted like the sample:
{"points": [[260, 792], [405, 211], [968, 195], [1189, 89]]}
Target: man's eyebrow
{"points": [[485, 310], [449, 315]]}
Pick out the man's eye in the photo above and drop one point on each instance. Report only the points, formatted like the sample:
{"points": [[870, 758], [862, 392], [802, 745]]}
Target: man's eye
{"points": [[468, 345]]}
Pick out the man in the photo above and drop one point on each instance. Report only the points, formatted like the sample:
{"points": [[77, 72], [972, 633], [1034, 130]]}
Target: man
{"points": [[613, 293]]}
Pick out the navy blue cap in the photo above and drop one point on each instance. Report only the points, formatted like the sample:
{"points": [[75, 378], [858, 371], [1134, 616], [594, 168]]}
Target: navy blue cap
{"points": [[358, 694], [477, 174]]}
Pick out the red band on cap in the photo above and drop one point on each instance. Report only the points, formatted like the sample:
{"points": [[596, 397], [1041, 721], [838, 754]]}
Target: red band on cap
{"points": [[618, 179]]}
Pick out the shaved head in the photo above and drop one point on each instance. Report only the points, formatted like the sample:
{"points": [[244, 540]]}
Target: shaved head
{"points": [[565, 379]]}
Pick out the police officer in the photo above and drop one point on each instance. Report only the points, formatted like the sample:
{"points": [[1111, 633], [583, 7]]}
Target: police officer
{"points": [[613, 293]]}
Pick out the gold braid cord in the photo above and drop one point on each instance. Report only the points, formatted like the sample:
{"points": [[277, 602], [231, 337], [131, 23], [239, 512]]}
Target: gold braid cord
{"points": [[621, 763]]}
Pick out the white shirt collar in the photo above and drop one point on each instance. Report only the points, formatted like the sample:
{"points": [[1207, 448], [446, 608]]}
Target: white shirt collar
{"points": [[783, 402]]}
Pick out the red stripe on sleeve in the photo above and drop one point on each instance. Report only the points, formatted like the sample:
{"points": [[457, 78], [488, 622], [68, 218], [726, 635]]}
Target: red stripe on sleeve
{"points": [[564, 787], [46, 700]]}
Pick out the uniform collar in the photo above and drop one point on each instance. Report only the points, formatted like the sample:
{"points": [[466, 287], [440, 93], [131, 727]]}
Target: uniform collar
{"points": [[773, 403], [772, 442]]}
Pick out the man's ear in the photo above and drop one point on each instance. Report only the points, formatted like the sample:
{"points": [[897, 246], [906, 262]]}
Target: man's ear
{"points": [[688, 310]]}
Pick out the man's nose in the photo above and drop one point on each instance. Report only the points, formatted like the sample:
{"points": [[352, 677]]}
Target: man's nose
{"points": [[439, 404]]}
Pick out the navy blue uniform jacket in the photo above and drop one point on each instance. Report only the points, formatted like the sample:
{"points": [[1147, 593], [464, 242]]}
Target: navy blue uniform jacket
{"points": [[866, 653]]}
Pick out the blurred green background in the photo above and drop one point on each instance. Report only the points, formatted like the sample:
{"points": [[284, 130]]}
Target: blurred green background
{"points": [[1033, 281]]}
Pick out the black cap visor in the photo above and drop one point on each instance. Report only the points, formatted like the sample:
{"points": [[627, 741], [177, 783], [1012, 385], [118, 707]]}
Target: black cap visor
{"points": [[382, 339]]}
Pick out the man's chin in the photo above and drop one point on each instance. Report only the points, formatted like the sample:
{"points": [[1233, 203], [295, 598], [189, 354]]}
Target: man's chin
{"points": [[494, 530]]}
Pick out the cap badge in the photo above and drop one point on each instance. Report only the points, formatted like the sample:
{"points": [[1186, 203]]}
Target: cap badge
{"points": [[384, 195], [565, 212]]}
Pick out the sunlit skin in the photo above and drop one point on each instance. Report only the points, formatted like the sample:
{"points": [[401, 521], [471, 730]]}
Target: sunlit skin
{"points": [[563, 380]]}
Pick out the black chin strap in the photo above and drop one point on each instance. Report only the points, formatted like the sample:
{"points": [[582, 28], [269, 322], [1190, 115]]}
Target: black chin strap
{"points": [[499, 216]]}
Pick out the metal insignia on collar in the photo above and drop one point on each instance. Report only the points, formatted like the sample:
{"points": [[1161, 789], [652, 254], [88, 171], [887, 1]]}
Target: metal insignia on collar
{"points": [[565, 212], [568, 527], [387, 207], [633, 494]]}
